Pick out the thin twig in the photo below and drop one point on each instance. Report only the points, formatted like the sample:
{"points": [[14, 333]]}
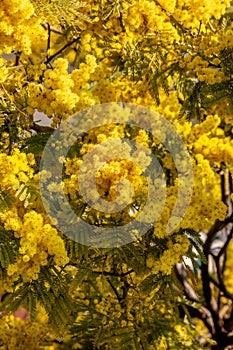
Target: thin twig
{"points": [[42, 128], [61, 50], [116, 274], [224, 247]]}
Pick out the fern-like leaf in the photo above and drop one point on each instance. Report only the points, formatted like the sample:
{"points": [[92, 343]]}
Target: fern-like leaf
{"points": [[62, 12]]}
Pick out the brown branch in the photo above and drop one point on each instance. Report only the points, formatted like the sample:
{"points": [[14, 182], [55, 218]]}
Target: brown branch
{"points": [[222, 288], [218, 226], [52, 29], [223, 342], [125, 289], [119, 298], [224, 247], [116, 274], [17, 57], [187, 289], [61, 50], [201, 314], [42, 128], [191, 296], [49, 38], [209, 300], [170, 16], [205, 276]]}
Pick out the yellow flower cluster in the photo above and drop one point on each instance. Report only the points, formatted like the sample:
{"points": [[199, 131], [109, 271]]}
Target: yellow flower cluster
{"points": [[154, 15], [206, 205], [191, 12], [210, 147], [19, 26], [227, 40], [169, 107], [148, 12], [23, 335], [210, 75], [109, 176], [38, 241], [215, 149], [203, 57], [63, 93], [198, 66], [207, 127], [105, 91], [52, 85], [223, 110], [3, 71], [160, 227], [170, 256], [15, 168], [89, 41], [127, 91]]}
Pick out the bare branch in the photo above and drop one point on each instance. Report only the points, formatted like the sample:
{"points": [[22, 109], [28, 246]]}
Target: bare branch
{"points": [[42, 128]]}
